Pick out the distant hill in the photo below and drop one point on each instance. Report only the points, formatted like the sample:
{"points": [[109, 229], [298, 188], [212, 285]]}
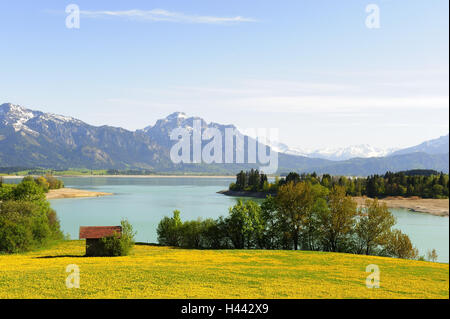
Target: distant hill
{"points": [[337, 153], [380, 165], [33, 139], [436, 146]]}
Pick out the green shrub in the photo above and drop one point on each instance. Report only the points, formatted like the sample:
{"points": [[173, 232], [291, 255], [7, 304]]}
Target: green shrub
{"points": [[6, 192], [42, 182], [432, 255], [27, 225], [15, 232], [53, 183], [28, 190], [399, 245], [119, 244], [169, 230], [191, 234]]}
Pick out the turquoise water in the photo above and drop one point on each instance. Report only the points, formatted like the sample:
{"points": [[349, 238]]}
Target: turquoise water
{"points": [[144, 201]]}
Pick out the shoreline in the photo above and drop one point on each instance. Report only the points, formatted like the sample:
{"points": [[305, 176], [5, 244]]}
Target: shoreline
{"points": [[73, 193], [432, 206], [244, 194], [131, 176]]}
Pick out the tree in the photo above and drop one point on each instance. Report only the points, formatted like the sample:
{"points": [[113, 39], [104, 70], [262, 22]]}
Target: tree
{"points": [[169, 230], [276, 232], [15, 232], [292, 177], [191, 234], [338, 221], [294, 203], [42, 182], [399, 245], [432, 255], [374, 226], [310, 231], [244, 224], [241, 180], [214, 234], [53, 182], [28, 190], [26, 225], [6, 192]]}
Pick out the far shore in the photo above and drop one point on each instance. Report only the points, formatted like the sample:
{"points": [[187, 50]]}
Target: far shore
{"points": [[438, 207], [136, 176], [73, 193]]}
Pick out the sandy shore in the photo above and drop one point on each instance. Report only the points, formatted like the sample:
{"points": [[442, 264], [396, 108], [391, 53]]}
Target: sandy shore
{"points": [[439, 207], [73, 193]]}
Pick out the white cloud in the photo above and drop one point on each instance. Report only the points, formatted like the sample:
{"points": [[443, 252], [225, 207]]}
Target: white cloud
{"points": [[160, 15]]}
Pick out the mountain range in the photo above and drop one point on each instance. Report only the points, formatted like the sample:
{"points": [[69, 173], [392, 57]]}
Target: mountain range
{"points": [[30, 138], [336, 153]]}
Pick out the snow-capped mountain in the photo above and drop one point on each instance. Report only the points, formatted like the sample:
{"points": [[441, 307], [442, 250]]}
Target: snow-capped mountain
{"points": [[36, 139], [436, 146], [344, 153], [30, 138], [335, 154], [160, 132], [23, 120]]}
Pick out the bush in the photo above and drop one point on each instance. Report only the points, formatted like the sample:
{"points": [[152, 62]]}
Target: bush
{"points": [[27, 225], [119, 244], [169, 230], [191, 234], [53, 183], [213, 234], [399, 245], [244, 224], [15, 233], [432, 255], [42, 182], [6, 192], [28, 190]]}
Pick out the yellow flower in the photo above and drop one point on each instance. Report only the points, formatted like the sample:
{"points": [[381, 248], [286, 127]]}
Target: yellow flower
{"points": [[163, 272]]}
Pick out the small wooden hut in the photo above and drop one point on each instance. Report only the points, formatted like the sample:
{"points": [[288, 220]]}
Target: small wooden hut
{"points": [[93, 234]]}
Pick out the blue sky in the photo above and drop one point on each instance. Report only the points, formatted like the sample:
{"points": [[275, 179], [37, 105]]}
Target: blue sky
{"points": [[310, 68]]}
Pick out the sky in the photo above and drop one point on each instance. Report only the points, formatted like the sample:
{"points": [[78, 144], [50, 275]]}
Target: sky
{"points": [[311, 68]]}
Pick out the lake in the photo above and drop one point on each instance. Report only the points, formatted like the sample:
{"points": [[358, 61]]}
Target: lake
{"points": [[144, 201]]}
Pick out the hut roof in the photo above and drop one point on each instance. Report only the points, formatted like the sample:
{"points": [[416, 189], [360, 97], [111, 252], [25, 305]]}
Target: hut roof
{"points": [[99, 231]]}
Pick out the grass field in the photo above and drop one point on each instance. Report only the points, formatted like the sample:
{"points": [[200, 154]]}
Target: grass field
{"points": [[162, 272]]}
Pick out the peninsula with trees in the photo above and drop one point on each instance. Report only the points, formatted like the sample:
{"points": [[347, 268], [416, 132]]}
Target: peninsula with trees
{"points": [[423, 191]]}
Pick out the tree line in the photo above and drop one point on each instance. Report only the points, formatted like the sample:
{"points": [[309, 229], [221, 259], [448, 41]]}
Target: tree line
{"points": [[421, 183], [303, 215]]}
